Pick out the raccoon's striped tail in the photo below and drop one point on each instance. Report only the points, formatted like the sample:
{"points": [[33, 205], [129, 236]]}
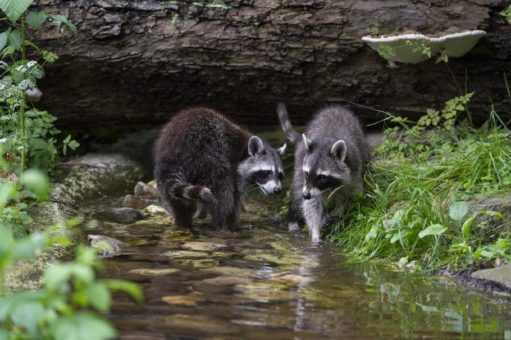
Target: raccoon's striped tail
{"points": [[189, 191], [285, 123]]}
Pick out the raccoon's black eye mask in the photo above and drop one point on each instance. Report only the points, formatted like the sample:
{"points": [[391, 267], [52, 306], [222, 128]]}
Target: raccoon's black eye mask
{"points": [[324, 182]]}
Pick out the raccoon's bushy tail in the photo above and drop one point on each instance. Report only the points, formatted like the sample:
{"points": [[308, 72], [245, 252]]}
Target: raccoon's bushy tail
{"points": [[189, 191], [285, 123]]}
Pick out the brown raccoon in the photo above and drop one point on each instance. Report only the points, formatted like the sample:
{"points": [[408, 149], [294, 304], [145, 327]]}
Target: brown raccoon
{"points": [[203, 162]]}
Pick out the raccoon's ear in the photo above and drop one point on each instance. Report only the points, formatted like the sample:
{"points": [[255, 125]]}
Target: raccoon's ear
{"points": [[307, 142], [338, 150], [255, 145], [282, 149]]}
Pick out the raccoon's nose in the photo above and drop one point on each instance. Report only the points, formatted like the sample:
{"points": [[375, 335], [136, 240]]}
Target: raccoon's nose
{"points": [[307, 195], [277, 190]]}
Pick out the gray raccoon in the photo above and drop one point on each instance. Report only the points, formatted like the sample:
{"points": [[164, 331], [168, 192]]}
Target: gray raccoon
{"points": [[330, 160], [203, 162]]}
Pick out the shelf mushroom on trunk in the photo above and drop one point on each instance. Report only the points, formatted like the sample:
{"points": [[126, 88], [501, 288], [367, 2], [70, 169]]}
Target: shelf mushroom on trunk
{"points": [[413, 48]]}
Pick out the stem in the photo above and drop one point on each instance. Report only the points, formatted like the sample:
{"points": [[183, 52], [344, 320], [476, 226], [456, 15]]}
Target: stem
{"points": [[23, 127]]}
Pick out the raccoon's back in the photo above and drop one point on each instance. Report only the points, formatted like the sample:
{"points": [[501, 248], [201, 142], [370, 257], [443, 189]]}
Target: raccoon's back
{"points": [[198, 138]]}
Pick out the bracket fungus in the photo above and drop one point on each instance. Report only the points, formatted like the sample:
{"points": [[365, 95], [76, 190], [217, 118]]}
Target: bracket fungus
{"points": [[413, 48]]}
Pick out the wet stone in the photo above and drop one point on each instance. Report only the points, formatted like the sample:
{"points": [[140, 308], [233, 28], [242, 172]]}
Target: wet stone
{"points": [[106, 246], [500, 275], [198, 263], [203, 246], [182, 300], [153, 271], [232, 271], [266, 292], [154, 209], [186, 254], [226, 281], [120, 215], [136, 202], [143, 189]]}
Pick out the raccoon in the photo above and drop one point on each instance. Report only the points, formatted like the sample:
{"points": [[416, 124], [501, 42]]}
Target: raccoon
{"points": [[330, 161], [203, 162]]}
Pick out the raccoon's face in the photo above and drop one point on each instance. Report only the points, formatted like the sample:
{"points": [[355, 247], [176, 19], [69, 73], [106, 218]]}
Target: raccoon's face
{"points": [[263, 167], [324, 166]]}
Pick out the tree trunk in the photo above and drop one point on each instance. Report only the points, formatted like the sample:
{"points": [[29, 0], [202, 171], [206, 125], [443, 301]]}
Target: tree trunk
{"points": [[140, 61]]}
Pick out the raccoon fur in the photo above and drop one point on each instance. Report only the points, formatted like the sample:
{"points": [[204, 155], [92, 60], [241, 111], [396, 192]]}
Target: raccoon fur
{"points": [[203, 162], [330, 160]]}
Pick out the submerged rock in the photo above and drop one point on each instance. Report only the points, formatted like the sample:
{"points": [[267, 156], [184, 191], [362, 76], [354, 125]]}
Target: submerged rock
{"points": [[105, 245], [153, 271], [500, 275], [185, 254], [183, 300], [137, 202], [120, 215], [226, 280], [232, 271], [198, 263], [203, 246]]}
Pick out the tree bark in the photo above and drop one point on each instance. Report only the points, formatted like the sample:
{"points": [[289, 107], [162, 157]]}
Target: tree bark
{"points": [[140, 61]]}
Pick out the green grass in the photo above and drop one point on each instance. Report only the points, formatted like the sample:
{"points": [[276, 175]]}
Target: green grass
{"points": [[416, 208]]}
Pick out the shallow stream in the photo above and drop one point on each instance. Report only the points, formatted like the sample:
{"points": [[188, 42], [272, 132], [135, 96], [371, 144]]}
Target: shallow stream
{"points": [[264, 282]]}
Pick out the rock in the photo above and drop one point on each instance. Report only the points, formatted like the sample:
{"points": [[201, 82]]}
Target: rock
{"points": [[226, 281], [182, 300], [155, 210], [137, 202], [105, 245], [203, 246], [185, 254], [495, 225], [232, 271], [120, 215], [197, 263], [143, 189], [500, 275], [266, 292], [153, 271]]}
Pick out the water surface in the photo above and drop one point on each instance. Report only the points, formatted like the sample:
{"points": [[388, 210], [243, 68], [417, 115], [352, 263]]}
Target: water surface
{"points": [[263, 282]]}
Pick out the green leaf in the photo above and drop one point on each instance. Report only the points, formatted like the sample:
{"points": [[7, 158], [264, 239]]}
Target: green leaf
{"points": [[458, 210], [27, 314], [36, 182], [36, 19], [3, 38], [14, 9], [15, 39], [467, 226], [99, 296], [434, 229], [58, 20], [29, 247], [128, 287], [82, 326]]}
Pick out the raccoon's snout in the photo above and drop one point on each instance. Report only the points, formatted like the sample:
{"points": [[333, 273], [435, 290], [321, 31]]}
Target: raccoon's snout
{"points": [[277, 190], [307, 195]]}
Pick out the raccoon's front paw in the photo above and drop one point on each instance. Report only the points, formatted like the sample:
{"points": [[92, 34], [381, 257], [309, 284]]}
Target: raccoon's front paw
{"points": [[293, 226]]}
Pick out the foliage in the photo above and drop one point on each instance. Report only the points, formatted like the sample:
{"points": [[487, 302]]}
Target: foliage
{"points": [[507, 14], [416, 211], [67, 305], [28, 135]]}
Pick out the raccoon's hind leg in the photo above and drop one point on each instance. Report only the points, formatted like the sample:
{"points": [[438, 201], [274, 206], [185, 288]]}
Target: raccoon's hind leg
{"points": [[202, 210], [183, 212], [224, 212], [313, 213]]}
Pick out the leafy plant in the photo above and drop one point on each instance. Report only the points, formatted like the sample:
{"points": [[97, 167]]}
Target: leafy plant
{"points": [[72, 299], [507, 14], [419, 186], [27, 134]]}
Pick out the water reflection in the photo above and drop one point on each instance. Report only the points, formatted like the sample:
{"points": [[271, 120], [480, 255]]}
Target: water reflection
{"points": [[264, 282]]}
